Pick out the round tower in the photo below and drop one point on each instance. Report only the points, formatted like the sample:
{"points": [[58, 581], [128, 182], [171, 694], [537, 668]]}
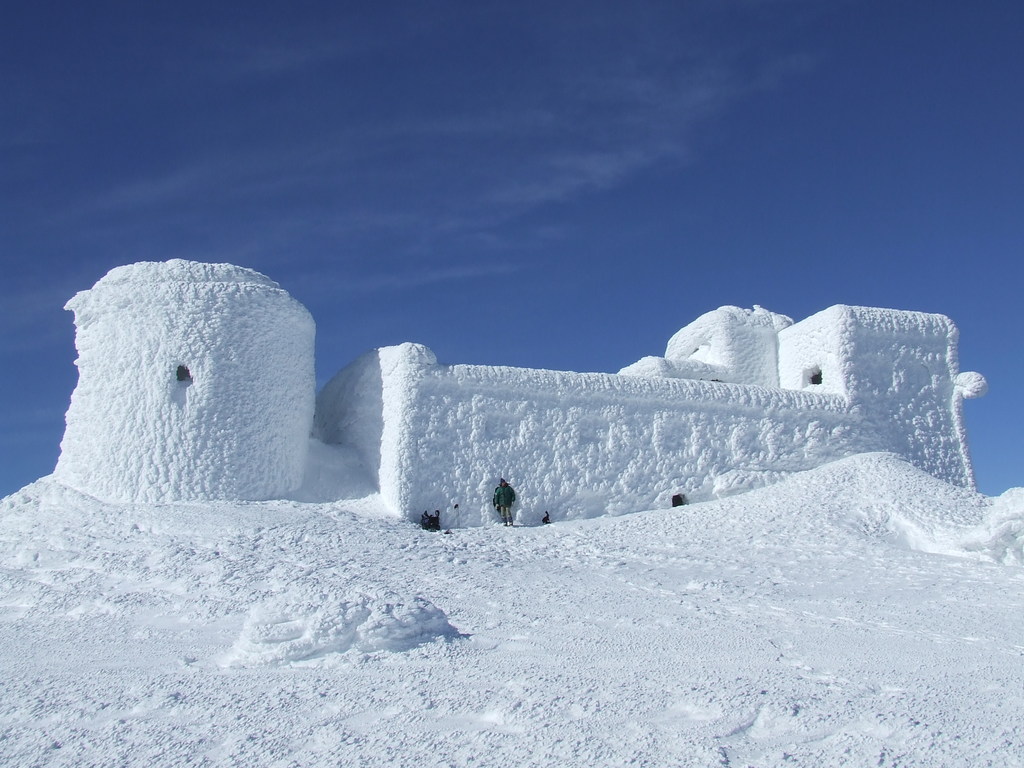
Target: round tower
{"points": [[195, 381]]}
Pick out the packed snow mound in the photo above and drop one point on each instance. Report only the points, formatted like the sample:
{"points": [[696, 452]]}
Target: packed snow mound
{"points": [[214, 562], [1000, 536], [873, 496], [885, 492], [881, 495], [306, 626]]}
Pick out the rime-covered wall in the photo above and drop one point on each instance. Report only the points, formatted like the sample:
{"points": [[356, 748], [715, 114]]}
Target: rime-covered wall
{"points": [[899, 371], [573, 444], [576, 445], [369, 405], [195, 382], [579, 445], [903, 367], [818, 345]]}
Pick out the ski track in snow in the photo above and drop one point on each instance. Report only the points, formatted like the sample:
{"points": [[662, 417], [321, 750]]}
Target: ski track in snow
{"points": [[807, 624]]}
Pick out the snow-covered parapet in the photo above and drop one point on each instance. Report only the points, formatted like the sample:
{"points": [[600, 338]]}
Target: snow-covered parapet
{"points": [[195, 382], [727, 344]]}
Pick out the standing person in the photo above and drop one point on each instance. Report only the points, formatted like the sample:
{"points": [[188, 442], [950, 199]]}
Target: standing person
{"points": [[504, 498]]}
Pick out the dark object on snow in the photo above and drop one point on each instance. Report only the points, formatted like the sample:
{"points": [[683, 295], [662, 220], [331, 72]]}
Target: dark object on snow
{"points": [[430, 522], [678, 500], [546, 519]]}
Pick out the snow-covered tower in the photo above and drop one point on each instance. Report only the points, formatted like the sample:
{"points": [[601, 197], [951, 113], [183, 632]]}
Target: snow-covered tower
{"points": [[196, 381], [899, 372]]}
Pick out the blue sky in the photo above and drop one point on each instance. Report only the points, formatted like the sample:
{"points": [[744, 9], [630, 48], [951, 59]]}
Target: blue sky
{"points": [[552, 185]]}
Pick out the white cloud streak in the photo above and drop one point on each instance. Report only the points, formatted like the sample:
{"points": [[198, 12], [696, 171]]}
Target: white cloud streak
{"points": [[420, 173]]}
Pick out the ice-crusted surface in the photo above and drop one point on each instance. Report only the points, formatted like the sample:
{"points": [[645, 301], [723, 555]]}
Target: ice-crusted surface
{"points": [[739, 345], [195, 382], [583, 444], [662, 367], [901, 378], [572, 444], [144, 273], [307, 626], [1001, 535], [816, 346], [350, 408], [370, 406], [862, 613]]}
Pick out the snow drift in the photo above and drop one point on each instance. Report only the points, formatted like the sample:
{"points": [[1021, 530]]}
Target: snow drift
{"points": [[808, 623]]}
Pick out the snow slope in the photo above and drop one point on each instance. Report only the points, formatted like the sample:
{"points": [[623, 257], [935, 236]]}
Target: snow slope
{"points": [[862, 613]]}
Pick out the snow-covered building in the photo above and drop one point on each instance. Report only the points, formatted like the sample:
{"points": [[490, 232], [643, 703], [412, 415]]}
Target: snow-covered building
{"points": [[196, 381], [741, 398]]}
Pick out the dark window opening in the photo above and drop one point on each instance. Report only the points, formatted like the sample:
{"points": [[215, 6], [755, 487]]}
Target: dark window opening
{"points": [[815, 377], [678, 499], [183, 374]]}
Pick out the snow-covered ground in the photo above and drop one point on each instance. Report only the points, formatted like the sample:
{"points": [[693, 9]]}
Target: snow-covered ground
{"points": [[860, 614]]}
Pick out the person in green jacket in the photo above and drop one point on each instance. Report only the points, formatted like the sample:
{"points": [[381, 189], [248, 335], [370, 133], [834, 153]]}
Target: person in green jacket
{"points": [[504, 498]]}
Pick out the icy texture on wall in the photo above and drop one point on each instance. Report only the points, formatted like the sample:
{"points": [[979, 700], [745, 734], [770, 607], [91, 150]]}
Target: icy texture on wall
{"points": [[727, 344], [576, 445], [370, 405], [195, 382], [899, 371]]}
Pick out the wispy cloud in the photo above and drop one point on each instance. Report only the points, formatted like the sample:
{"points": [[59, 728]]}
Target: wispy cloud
{"points": [[443, 167], [276, 59], [297, 43], [411, 276], [566, 175], [172, 187]]}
